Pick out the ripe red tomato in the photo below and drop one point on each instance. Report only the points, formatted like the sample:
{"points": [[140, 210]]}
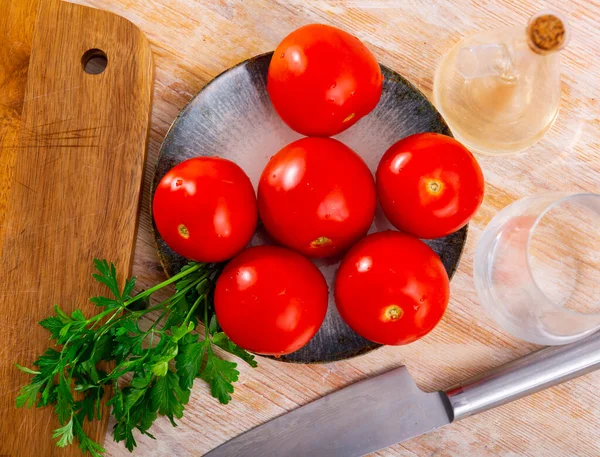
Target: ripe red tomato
{"points": [[391, 288], [205, 209], [270, 300], [322, 80], [317, 196], [429, 185]]}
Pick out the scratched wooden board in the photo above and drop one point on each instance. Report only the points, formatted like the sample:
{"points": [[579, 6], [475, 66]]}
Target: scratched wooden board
{"points": [[195, 40], [72, 149]]}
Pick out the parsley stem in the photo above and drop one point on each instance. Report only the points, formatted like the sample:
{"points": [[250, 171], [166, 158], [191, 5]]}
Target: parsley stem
{"points": [[100, 316], [172, 299], [151, 338], [207, 336], [149, 292], [137, 314], [160, 318], [171, 280], [106, 324], [192, 309]]}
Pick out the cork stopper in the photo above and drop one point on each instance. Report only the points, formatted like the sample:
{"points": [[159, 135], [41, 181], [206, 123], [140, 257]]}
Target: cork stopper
{"points": [[546, 33]]}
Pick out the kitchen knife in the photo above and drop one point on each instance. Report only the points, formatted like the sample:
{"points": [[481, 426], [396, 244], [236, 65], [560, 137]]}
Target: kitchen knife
{"points": [[390, 408]]}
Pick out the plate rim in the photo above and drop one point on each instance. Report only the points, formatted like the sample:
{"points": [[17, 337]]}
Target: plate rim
{"points": [[155, 235]]}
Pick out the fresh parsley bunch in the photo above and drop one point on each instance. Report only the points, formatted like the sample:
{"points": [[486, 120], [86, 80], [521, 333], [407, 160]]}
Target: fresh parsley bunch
{"points": [[93, 354]]}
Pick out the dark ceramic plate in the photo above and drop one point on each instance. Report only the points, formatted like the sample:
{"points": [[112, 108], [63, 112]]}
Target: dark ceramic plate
{"points": [[233, 117]]}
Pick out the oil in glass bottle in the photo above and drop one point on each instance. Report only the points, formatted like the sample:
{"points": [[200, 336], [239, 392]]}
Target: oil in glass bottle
{"points": [[499, 91]]}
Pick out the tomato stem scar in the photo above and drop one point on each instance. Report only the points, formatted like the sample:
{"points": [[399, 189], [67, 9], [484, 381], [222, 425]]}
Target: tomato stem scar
{"points": [[393, 313], [435, 186], [350, 117], [321, 241], [183, 231]]}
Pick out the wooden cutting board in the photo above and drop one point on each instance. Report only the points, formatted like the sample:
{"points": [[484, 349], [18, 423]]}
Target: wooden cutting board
{"points": [[75, 98]]}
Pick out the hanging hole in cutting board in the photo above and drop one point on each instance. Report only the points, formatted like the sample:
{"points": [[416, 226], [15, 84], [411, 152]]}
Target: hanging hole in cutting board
{"points": [[94, 61]]}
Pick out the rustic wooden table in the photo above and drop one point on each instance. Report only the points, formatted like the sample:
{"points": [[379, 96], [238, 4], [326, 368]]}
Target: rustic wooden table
{"points": [[194, 40]]}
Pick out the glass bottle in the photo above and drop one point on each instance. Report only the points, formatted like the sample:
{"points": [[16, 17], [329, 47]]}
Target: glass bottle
{"points": [[499, 91]]}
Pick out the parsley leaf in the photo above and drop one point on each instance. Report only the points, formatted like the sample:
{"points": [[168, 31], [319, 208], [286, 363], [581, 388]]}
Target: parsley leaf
{"points": [[105, 302], [64, 402], [64, 434], [220, 374], [108, 277], [152, 370], [189, 359], [223, 341], [28, 395], [26, 370], [85, 443], [54, 325], [128, 340], [168, 397]]}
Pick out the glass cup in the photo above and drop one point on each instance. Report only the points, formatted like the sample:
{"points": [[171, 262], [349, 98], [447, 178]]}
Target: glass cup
{"points": [[537, 268]]}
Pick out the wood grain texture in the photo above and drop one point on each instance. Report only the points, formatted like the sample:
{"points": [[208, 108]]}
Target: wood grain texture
{"points": [[73, 149], [14, 55], [194, 40]]}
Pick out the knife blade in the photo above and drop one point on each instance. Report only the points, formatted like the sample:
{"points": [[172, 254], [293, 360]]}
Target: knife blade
{"points": [[386, 409], [364, 416]]}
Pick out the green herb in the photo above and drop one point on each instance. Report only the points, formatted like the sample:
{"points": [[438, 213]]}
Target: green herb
{"points": [[161, 362]]}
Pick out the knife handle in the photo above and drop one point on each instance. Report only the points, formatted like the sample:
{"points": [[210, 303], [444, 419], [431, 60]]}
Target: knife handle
{"points": [[529, 374]]}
